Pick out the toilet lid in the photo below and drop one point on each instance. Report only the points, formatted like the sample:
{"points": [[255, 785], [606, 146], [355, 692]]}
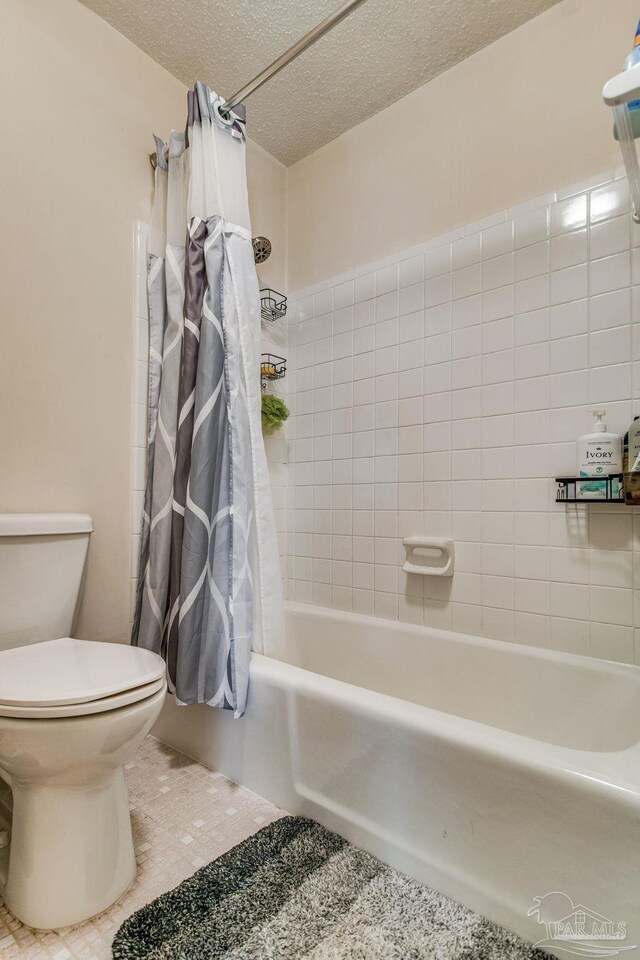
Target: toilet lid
{"points": [[73, 671]]}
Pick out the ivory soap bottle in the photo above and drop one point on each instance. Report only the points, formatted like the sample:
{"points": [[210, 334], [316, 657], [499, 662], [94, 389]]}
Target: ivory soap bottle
{"points": [[599, 454]]}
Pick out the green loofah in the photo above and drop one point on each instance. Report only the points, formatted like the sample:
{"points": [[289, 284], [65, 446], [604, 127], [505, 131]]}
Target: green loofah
{"points": [[274, 414]]}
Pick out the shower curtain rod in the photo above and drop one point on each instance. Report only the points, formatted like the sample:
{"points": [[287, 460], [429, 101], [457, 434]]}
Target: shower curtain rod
{"points": [[286, 58], [303, 44]]}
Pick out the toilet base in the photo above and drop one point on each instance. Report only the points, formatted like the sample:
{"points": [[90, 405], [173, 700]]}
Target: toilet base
{"points": [[84, 864], [71, 850]]}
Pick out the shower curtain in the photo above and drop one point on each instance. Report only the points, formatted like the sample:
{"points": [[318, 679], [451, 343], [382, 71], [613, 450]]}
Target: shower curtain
{"points": [[209, 587]]}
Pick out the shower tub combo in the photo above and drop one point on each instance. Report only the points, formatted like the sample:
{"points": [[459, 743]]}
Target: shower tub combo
{"points": [[493, 772]]}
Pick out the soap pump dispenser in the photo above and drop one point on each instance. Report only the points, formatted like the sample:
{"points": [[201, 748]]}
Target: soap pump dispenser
{"points": [[599, 455]]}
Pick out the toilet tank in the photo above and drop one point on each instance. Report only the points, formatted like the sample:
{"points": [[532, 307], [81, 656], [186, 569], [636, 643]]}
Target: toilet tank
{"points": [[42, 557]]}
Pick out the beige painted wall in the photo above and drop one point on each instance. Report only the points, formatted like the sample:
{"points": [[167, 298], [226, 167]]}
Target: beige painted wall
{"points": [[520, 117], [267, 179], [79, 103]]}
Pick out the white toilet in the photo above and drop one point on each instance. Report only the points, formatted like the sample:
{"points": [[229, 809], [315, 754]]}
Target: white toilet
{"points": [[71, 714]]}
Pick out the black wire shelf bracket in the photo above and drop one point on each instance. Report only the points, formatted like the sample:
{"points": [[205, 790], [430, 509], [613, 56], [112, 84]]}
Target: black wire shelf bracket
{"points": [[570, 489], [273, 305], [272, 368]]}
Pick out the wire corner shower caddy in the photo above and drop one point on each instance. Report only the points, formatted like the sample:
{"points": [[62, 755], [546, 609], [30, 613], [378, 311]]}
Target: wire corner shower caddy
{"points": [[272, 368], [570, 490], [273, 305]]}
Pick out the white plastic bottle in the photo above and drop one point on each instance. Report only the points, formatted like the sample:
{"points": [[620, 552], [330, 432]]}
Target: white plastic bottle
{"points": [[599, 454]]}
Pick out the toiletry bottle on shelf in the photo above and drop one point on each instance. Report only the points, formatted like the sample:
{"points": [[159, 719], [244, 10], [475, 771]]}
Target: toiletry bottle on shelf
{"points": [[599, 455], [625, 446], [631, 464], [632, 60]]}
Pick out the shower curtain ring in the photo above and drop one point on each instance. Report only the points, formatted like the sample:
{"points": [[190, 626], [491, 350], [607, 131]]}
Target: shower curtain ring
{"points": [[227, 118]]}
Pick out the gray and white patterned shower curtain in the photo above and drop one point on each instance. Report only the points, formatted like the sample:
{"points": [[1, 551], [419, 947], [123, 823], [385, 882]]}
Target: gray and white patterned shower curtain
{"points": [[209, 586]]}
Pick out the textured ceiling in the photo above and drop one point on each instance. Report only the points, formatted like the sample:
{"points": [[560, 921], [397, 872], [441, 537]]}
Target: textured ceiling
{"points": [[382, 51]]}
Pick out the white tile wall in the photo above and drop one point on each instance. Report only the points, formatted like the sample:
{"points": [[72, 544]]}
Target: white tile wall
{"points": [[275, 340], [438, 391]]}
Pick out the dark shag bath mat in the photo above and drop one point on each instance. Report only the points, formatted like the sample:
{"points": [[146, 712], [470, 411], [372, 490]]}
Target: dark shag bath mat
{"points": [[294, 890]]}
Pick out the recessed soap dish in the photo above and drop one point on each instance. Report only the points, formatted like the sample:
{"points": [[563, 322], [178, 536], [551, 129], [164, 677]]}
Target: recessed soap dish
{"points": [[429, 556]]}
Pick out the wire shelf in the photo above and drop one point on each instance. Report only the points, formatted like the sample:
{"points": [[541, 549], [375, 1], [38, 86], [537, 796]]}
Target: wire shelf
{"points": [[273, 305], [569, 488], [272, 368]]}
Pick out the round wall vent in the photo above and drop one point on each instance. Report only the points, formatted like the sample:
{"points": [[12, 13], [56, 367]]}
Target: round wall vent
{"points": [[261, 249]]}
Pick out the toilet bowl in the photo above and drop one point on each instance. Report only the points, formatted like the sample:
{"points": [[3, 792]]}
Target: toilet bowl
{"points": [[70, 718], [72, 712]]}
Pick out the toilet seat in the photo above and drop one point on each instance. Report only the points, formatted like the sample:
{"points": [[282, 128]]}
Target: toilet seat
{"points": [[84, 709], [69, 677]]}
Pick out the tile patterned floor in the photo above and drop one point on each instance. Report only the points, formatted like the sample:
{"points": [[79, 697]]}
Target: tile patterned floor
{"points": [[183, 817]]}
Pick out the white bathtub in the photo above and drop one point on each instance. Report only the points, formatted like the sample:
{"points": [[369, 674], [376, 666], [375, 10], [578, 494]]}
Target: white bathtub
{"points": [[493, 772]]}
